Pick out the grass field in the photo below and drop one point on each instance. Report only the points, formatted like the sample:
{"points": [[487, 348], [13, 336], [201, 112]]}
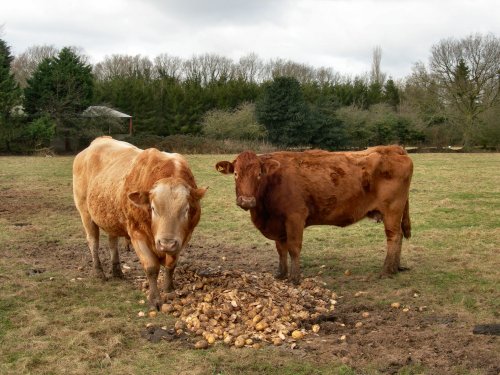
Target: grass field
{"points": [[56, 319]]}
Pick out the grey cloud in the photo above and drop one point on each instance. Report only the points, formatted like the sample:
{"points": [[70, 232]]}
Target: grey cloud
{"points": [[335, 33], [223, 11]]}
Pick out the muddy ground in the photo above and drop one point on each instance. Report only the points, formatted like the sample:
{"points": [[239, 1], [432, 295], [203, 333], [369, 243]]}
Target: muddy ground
{"points": [[388, 338]]}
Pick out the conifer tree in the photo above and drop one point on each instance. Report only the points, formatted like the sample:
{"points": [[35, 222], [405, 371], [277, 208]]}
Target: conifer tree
{"points": [[10, 96], [60, 88], [285, 113]]}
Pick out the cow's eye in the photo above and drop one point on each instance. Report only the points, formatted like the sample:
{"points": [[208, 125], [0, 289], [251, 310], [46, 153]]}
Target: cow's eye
{"points": [[235, 175], [153, 210]]}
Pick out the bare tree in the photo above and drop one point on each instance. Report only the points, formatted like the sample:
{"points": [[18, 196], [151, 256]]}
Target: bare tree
{"points": [[144, 68], [467, 76], [26, 63], [326, 76], [191, 69], [287, 68], [209, 68], [421, 101], [250, 68], [124, 66], [376, 75], [216, 67], [168, 66], [112, 66]]}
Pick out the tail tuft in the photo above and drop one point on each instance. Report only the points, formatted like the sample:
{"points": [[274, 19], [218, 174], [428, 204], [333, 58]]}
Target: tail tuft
{"points": [[405, 222]]}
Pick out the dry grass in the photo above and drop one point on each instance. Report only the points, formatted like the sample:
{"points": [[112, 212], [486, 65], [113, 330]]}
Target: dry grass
{"points": [[84, 326]]}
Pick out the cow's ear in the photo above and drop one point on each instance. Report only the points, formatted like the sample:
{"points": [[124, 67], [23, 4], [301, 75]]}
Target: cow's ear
{"points": [[197, 194], [225, 167], [140, 198], [270, 166]]}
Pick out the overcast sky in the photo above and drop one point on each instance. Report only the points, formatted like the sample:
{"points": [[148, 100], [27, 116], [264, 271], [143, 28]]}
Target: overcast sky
{"points": [[340, 34]]}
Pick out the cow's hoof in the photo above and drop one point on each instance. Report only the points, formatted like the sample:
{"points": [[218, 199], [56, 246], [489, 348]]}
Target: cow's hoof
{"points": [[155, 304], [169, 288], [280, 275], [117, 272], [403, 269], [295, 280], [99, 274], [385, 275]]}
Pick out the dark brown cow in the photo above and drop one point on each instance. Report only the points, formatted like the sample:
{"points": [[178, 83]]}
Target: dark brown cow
{"points": [[287, 191]]}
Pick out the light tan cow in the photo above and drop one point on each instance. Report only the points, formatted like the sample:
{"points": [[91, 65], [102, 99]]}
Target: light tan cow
{"points": [[147, 196]]}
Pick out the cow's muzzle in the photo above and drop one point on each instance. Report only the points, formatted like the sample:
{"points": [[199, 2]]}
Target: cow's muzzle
{"points": [[168, 245], [246, 202]]}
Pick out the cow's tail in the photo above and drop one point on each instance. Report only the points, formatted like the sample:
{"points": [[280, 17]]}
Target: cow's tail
{"points": [[405, 222]]}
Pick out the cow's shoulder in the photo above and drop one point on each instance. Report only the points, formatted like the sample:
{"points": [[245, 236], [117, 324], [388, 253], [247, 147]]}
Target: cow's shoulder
{"points": [[107, 143], [106, 147], [287, 184], [152, 165]]}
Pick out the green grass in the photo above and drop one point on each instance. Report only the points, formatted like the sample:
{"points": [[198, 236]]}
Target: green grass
{"points": [[60, 326]]}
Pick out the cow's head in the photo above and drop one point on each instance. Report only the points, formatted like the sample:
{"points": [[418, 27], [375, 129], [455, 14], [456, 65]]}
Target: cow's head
{"points": [[249, 172], [175, 211]]}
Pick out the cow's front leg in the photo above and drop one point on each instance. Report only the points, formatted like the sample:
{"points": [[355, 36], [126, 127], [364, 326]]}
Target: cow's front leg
{"points": [[394, 236], [115, 257], [294, 232], [170, 263], [151, 266], [283, 260]]}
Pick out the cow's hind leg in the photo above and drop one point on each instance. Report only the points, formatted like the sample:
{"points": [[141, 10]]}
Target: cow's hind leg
{"points": [[394, 236], [283, 260], [115, 257], [294, 233], [92, 232]]}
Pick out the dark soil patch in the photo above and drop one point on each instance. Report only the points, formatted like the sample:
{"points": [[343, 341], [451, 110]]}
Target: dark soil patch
{"points": [[156, 334], [487, 329]]}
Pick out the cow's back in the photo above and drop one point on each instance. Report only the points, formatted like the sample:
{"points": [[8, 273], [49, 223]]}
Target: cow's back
{"points": [[337, 187], [108, 170], [104, 158], [98, 175]]}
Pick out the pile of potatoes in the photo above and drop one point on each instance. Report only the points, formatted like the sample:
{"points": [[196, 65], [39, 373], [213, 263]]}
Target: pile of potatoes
{"points": [[245, 309]]}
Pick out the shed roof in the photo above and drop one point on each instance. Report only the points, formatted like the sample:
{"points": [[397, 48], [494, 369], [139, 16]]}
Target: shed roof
{"points": [[102, 111]]}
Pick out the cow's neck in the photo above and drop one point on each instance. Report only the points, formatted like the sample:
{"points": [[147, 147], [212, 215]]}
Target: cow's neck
{"points": [[260, 213]]}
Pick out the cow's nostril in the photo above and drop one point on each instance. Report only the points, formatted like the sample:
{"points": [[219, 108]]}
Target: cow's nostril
{"points": [[167, 245], [245, 202]]}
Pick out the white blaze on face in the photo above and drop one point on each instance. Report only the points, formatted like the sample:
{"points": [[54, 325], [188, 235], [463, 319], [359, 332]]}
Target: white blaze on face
{"points": [[169, 216]]}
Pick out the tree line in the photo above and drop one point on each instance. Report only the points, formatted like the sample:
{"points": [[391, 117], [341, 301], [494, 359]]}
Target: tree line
{"points": [[452, 100]]}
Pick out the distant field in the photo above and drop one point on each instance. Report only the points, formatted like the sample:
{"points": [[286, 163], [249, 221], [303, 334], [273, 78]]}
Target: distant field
{"points": [[54, 318]]}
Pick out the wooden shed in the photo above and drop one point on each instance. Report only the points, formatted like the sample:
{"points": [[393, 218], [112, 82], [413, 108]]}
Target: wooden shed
{"points": [[106, 112]]}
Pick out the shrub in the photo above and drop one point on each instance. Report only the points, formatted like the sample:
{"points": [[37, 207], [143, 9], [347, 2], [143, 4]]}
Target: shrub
{"points": [[38, 133], [240, 123]]}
